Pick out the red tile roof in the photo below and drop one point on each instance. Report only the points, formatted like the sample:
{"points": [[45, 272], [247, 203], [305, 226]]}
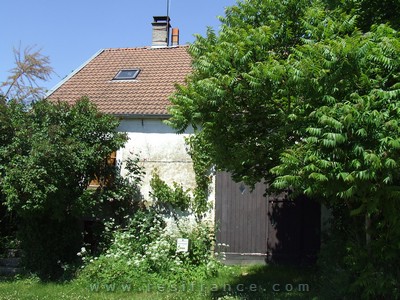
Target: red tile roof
{"points": [[160, 69]]}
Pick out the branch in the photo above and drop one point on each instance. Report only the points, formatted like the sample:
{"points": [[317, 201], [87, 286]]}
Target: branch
{"points": [[30, 67]]}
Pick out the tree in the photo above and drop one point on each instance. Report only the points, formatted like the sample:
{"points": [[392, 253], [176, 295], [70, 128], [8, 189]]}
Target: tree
{"points": [[56, 150], [31, 66], [48, 156], [296, 94], [243, 92], [349, 153], [371, 12]]}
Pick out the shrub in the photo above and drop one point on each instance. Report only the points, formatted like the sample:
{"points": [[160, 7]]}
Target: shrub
{"points": [[351, 269], [49, 152], [49, 245], [145, 252], [168, 199], [112, 204]]}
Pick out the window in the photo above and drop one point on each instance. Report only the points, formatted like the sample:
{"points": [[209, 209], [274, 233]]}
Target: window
{"points": [[108, 168], [128, 74]]}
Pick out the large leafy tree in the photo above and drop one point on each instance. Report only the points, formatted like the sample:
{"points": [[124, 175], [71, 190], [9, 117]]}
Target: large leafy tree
{"points": [[54, 151], [371, 11], [350, 145], [349, 153], [244, 90], [305, 94], [235, 94], [49, 153]]}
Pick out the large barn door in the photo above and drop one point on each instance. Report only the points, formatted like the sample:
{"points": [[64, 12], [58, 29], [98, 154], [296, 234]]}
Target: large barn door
{"points": [[259, 228], [241, 219]]}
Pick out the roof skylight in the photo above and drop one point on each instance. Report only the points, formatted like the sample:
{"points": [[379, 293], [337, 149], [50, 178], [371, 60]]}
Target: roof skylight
{"points": [[127, 74]]}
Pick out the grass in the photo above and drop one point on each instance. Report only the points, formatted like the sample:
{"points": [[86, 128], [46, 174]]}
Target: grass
{"points": [[233, 282]]}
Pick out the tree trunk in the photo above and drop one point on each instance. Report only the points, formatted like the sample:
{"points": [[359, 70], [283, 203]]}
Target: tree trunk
{"points": [[367, 231]]}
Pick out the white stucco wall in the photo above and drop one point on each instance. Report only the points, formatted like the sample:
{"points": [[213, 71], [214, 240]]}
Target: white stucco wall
{"points": [[158, 147]]}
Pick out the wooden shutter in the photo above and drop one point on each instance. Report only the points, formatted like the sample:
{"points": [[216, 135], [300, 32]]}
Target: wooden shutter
{"points": [[110, 161]]}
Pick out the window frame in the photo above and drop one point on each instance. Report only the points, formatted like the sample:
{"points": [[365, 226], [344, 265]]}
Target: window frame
{"points": [[118, 75]]}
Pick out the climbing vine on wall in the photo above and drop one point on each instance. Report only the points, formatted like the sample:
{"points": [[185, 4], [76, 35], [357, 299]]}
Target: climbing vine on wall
{"points": [[202, 168]]}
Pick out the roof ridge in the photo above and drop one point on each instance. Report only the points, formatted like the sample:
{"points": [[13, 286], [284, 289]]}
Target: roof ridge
{"points": [[146, 48]]}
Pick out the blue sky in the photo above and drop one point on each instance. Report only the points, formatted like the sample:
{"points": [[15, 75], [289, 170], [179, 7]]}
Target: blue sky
{"points": [[70, 32]]}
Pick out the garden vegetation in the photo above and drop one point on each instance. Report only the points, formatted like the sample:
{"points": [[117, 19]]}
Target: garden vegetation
{"points": [[49, 153], [303, 94]]}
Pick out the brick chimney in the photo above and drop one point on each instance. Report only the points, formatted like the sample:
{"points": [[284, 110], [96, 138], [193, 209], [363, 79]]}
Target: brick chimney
{"points": [[161, 26], [175, 37]]}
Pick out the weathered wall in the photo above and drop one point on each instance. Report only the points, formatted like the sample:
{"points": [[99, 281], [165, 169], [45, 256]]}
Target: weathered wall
{"points": [[159, 148]]}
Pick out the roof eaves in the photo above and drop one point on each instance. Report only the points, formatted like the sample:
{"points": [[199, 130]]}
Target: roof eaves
{"points": [[52, 90], [142, 116]]}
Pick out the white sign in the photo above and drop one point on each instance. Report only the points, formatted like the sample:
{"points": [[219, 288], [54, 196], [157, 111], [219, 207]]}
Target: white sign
{"points": [[182, 245]]}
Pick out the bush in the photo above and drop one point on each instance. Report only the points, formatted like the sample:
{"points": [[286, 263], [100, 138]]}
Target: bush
{"points": [[49, 153], [49, 246], [145, 252], [350, 268], [112, 204]]}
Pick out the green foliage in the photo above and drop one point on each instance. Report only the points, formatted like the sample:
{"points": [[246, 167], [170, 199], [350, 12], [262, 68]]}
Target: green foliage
{"points": [[144, 253], [176, 200], [119, 196], [256, 83], [241, 97], [304, 94], [371, 11], [347, 268], [348, 152], [169, 198], [48, 155], [202, 170], [50, 246], [54, 152], [109, 205]]}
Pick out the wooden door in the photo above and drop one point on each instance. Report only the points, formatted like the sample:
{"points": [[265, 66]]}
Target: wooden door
{"points": [[260, 228], [241, 219]]}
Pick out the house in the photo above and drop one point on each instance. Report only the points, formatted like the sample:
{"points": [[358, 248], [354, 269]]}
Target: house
{"points": [[134, 84]]}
